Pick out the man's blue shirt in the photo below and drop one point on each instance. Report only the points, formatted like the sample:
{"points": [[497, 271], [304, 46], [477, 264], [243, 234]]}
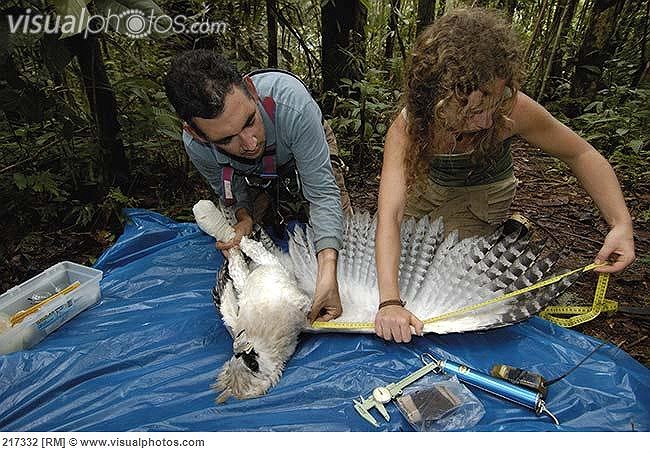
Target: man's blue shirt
{"points": [[298, 134]]}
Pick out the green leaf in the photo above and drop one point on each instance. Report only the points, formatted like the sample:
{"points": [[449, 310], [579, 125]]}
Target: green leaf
{"points": [[44, 183], [594, 136], [137, 83], [44, 138], [593, 105], [74, 16], [20, 180], [176, 136], [606, 120], [636, 145]]}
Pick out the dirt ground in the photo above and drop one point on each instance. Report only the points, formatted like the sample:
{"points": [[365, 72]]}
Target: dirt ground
{"points": [[553, 200], [547, 195]]}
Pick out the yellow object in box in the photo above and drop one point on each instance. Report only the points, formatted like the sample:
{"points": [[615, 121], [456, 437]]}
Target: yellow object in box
{"points": [[32, 310]]}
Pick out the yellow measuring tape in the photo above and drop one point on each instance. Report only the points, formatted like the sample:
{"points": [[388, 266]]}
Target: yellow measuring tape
{"points": [[21, 315], [584, 313]]}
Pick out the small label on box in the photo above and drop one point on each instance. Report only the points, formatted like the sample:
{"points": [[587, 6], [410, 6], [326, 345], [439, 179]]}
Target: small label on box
{"points": [[59, 313]]}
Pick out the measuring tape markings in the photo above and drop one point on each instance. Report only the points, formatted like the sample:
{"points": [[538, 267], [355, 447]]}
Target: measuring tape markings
{"points": [[582, 314], [585, 313]]}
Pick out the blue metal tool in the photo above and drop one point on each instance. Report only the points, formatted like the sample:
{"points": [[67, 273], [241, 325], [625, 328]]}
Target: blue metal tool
{"points": [[500, 388]]}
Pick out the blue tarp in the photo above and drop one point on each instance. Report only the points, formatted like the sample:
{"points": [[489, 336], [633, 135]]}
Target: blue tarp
{"points": [[144, 357]]}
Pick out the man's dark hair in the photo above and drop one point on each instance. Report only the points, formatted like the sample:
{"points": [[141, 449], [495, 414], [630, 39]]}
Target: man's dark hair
{"points": [[197, 84]]}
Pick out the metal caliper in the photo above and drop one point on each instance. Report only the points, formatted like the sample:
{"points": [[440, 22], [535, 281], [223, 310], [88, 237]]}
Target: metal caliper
{"points": [[384, 394]]}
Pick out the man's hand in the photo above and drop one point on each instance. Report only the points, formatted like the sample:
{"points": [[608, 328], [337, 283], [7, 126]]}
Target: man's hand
{"points": [[395, 322], [619, 245], [243, 228], [327, 301]]}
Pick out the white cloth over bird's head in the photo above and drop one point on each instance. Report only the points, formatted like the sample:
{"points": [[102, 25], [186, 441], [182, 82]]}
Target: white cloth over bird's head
{"points": [[265, 303]]}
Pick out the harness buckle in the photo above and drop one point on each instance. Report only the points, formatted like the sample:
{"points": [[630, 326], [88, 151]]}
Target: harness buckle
{"points": [[257, 184]]}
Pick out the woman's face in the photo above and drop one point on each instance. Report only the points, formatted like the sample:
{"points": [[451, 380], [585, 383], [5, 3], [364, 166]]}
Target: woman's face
{"points": [[478, 113]]}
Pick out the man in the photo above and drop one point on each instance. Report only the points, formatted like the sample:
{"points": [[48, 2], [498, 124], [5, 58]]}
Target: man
{"points": [[258, 139]]}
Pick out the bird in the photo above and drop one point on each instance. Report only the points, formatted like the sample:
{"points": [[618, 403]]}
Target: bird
{"points": [[265, 295]]}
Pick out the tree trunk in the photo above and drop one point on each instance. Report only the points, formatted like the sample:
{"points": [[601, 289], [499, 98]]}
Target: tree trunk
{"points": [[536, 31], [557, 68], [393, 32], [597, 47], [538, 69], [426, 14], [343, 35], [642, 71], [271, 33], [103, 107], [343, 49], [581, 26], [562, 9]]}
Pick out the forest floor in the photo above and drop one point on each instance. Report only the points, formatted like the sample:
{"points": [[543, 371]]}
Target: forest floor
{"points": [[547, 195]]}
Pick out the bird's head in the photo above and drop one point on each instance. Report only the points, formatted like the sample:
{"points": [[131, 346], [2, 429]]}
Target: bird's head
{"points": [[249, 373]]}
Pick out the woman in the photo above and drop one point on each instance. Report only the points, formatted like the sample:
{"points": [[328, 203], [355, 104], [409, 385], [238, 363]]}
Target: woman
{"points": [[448, 152]]}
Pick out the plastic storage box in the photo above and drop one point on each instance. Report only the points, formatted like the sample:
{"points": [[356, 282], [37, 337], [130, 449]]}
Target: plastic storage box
{"points": [[52, 314]]}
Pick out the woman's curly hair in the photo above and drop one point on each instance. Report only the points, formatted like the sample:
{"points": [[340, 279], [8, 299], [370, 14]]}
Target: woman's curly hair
{"points": [[458, 54]]}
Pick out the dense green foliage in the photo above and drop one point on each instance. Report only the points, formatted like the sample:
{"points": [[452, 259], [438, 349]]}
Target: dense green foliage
{"points": [[53, 171]]}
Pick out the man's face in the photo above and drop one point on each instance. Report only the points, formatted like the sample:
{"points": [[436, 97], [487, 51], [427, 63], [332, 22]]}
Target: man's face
{"points": [[239, 130]]}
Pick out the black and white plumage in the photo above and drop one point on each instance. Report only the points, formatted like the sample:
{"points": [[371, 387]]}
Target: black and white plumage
{"points": [[438, 274], [264, 311], [270, 298]]}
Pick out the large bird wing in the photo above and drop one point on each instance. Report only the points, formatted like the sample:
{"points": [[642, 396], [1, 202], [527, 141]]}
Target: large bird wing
{"points": [[438, 275]]}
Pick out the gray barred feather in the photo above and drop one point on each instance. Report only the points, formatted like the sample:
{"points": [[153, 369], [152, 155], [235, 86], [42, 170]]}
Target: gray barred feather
{"points": [[368, 271], [429, 292], [530, 303], [357, 254], [303, 257], [430, 235], [357, 260], [406, 232]]}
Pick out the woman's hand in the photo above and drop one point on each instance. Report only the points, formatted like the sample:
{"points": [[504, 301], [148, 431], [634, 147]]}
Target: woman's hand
{"points": [[394, 323], [618, 248]]}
